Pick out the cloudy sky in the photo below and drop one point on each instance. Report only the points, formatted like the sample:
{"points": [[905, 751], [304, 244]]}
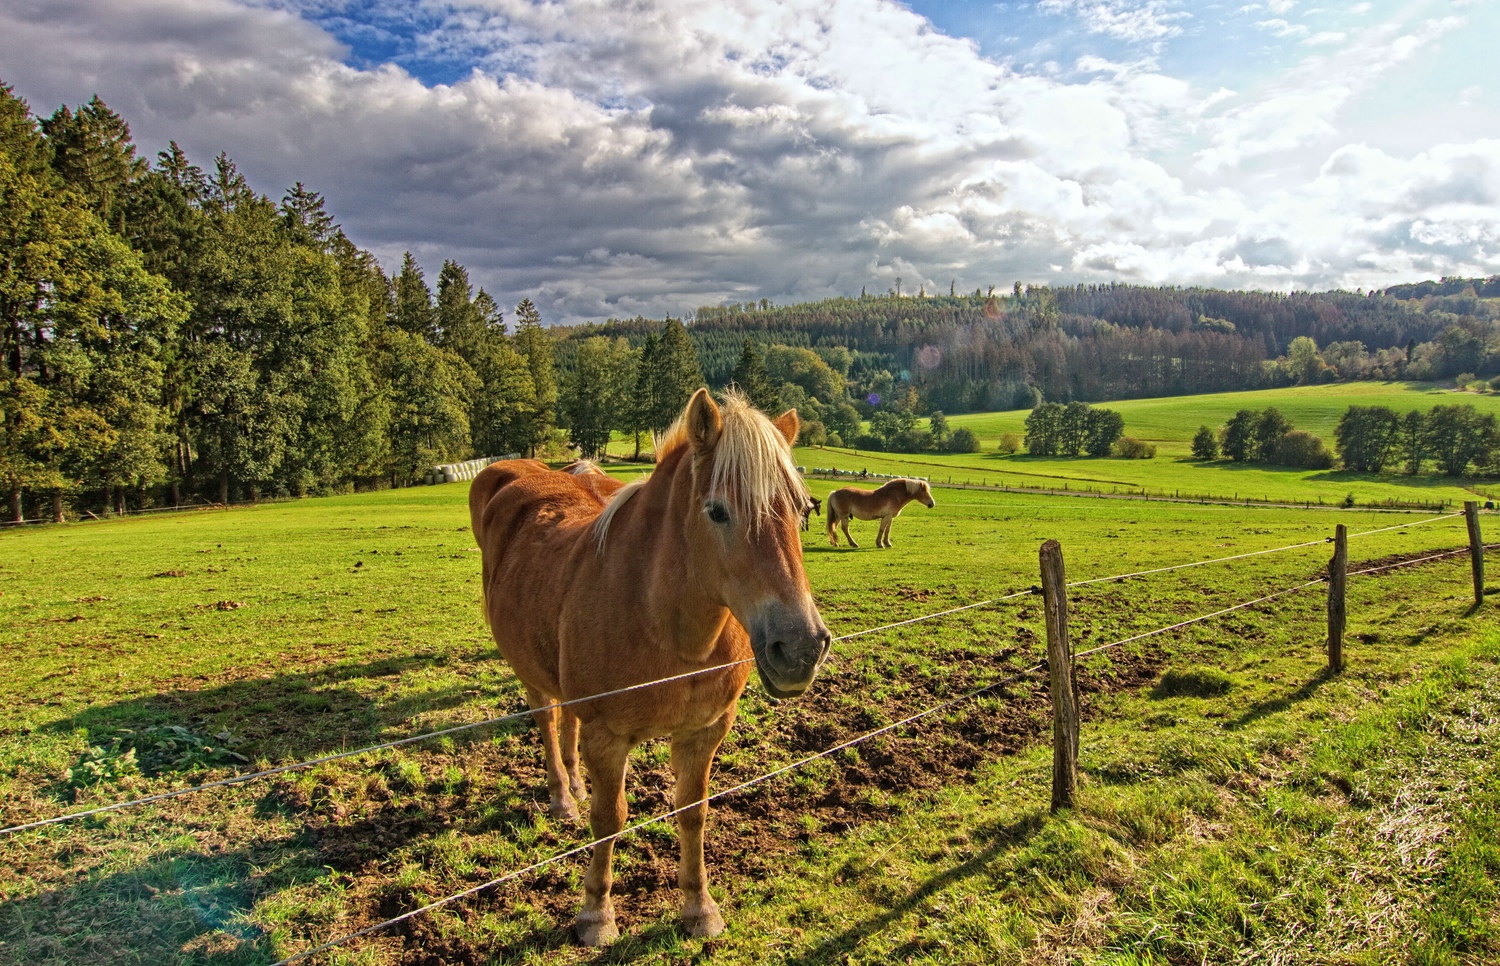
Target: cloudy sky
{"points": [[610, 157]]}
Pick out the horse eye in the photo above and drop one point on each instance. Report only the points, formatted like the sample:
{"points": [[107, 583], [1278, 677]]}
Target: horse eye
{"points": [[717, 513]]}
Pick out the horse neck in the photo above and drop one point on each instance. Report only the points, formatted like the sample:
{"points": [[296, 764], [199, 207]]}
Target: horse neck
{"points": [[680, 608]]}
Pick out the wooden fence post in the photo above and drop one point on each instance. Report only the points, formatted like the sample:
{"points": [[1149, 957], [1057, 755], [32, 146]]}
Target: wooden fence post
{"points": [[1337, 569], [1476, 549], [1060, 664]]}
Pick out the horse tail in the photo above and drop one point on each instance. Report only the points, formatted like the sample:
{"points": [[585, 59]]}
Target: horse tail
{"points": [[832, 514]]}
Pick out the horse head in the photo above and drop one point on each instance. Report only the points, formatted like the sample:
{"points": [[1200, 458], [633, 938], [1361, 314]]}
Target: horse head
{"points": [[742, 528], [919, 490]]}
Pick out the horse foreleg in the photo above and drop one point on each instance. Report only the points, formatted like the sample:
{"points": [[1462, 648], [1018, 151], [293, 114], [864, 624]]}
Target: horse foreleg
{"points": [[692, 760], [567, 736], [561, 805], [884, 539], [606, 755]]}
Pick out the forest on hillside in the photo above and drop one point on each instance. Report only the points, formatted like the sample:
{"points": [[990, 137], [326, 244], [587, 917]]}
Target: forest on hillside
{"points": [[171, 334]]}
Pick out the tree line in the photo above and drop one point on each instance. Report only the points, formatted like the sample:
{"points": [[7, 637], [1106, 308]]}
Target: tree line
{"points": [[1454, 439], [170, 334]]}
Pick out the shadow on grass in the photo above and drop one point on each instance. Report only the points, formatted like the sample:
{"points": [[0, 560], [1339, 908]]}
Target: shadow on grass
{"points": [[193, 904], [292, 717], [998, 839], [1265, 709]]}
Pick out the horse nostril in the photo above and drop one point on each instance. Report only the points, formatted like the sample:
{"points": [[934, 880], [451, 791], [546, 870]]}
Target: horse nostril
{"points": [[825, 640], [778, 653]]}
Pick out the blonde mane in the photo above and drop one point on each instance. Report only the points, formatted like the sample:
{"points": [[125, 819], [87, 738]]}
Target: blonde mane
{"points": [[752, 466]]}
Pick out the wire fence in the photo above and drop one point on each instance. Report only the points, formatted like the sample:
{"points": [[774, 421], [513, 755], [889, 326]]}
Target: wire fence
{"points": [[840, 746], [519, 715], [780, 771]]}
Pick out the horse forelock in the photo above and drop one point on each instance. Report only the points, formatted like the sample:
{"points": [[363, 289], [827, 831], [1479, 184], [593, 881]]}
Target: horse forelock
{"points": [[752, 467]]}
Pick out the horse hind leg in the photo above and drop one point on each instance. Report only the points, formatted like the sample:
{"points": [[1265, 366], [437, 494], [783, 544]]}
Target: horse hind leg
{"points": [[692, 760], [567, 736], [561, 804], [833, 521], [844, 523], [606, 755]]}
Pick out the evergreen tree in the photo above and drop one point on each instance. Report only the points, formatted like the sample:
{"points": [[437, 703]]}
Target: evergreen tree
{"points": [[676, 375], [430, 388], [596, 392], [415, 312], [750, 378], [164, 216], [643, 397], [92, 151], [460, 324], [535, 347], [305, 217]]}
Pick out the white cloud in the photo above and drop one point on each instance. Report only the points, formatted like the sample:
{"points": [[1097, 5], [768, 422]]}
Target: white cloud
{"points": [[1140, 21], [1281, 28], [1303, 106], [609, 159]]}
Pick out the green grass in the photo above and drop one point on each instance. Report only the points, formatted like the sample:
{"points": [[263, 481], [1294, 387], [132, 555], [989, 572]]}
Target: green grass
{"points": [[1170, 424], [1236, 804]]}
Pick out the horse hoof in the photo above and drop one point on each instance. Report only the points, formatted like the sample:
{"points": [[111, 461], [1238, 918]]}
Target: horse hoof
{"points": [[600, 932], [564, 811], [705, 926]]}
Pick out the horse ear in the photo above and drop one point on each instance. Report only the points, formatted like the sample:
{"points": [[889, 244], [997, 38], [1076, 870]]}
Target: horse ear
{"points": [[788, 425], [704, 424]]}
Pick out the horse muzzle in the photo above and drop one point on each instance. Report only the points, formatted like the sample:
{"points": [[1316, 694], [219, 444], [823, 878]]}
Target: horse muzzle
{"points": [[788, 654]]}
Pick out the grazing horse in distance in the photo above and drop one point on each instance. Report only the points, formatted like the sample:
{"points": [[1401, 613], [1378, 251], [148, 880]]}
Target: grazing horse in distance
{"points": [[591, 586], [883, 504], [814, 505]]}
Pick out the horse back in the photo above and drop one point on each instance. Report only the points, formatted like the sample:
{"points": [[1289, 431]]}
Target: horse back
{"points": [[528, 521]]}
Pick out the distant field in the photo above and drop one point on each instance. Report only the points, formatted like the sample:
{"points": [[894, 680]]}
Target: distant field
{"points": [[300, 628], [1170, 424]]}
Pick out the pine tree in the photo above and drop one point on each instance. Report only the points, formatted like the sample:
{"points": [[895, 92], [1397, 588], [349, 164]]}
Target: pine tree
{"points": [[750, 378], [305, 216], [535, 347], [92, 151], [644, 395], [678, 375], [459, 323], [596, 391], [415, 312]]}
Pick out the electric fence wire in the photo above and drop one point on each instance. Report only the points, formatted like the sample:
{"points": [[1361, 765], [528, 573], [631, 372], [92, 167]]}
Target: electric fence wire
{"points": [[412, 739], [793, 766]]}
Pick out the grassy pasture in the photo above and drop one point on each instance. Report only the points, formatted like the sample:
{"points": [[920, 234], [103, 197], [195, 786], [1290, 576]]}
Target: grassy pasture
{"points": [[1170, 424], [1236, 802]]}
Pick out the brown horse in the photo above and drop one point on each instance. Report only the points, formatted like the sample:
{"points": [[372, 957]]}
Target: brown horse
{"points": [[591, 586], [883, 504]]}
